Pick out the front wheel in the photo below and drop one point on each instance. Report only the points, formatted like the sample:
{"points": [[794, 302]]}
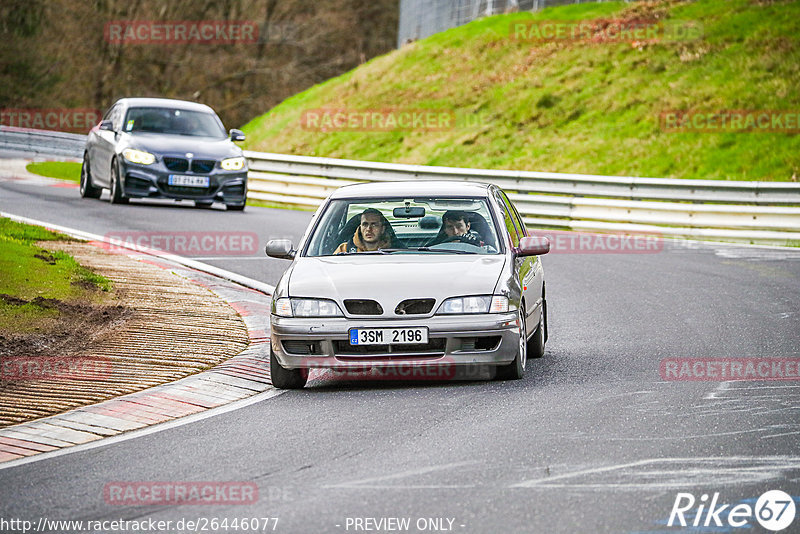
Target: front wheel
{"points": [[283, 378], [116, 196], [87, 189], [536, 343], [515, 369]]}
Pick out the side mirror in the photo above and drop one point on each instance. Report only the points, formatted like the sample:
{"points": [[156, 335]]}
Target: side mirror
{"points": [[533, 246], [280, 248], [107, 125], [237, 135]]}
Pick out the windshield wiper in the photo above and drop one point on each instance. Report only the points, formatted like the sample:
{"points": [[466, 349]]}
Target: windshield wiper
{"points": [[428, 249]]}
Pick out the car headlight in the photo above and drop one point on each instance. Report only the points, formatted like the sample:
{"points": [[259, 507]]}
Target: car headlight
{"points": [[138, 156], [233, 164], [474, 304], [288, 307]]}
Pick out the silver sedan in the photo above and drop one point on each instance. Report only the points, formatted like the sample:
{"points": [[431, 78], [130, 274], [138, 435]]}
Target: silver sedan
{"points": [[418, 278]]}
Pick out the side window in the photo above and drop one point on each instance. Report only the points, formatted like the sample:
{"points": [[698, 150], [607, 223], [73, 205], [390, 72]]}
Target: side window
{"points": [[518, 222], [508, 220], [114, 115]]}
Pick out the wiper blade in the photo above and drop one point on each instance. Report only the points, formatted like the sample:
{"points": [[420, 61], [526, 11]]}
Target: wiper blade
{"points": [[428, 249]]}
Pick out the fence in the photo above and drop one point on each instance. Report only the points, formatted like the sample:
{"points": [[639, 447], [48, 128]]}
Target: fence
{"points": [[757, 212], [421, 18]]}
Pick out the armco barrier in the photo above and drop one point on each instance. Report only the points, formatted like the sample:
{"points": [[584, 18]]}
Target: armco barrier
{"points": [[750, 212]]}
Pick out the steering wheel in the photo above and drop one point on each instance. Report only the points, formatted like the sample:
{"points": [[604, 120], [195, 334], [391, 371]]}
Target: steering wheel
{"points": [[462, 239]]}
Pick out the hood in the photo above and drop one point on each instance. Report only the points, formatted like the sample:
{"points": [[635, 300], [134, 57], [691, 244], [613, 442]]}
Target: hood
{"points": [[179, 145], [391, 279]]}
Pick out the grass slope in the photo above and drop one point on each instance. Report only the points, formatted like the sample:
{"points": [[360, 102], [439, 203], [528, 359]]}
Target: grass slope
{"points": [[65, 170], [32, 278], [572, 106]]}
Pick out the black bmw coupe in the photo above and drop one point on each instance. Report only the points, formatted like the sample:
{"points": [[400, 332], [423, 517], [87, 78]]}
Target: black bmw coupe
{"points": [[163, 148]]}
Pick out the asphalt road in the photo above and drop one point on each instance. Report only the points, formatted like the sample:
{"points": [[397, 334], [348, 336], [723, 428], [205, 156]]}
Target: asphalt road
{"points": [[591, 440]]}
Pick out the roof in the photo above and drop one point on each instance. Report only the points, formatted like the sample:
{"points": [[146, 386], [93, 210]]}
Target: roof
{"points": [[412, 188], [165, 103]]}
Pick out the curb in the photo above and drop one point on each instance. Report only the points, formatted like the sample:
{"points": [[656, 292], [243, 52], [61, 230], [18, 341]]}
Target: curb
{"points": [[240, 377]]}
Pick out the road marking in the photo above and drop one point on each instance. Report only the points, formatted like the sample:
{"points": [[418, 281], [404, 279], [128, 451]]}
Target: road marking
{"points": [[365, 482], [133, 434]]}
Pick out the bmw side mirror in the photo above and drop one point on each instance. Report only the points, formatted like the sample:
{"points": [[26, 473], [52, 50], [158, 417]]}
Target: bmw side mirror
{"points": [[280, 248], [533, 246], [107, 125], [237, 135]]}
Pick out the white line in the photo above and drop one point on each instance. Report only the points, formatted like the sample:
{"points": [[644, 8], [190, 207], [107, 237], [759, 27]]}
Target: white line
{"points": [[204, 267], [402, 474], [133, 434]]}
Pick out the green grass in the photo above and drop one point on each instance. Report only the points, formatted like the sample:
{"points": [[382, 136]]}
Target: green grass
{"points": [[65, 170], [571, 106], [30, 273]]}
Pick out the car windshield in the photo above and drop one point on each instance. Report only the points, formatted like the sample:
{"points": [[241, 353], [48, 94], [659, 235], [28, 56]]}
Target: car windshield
{"points": [[416, 225], [173, 122]]}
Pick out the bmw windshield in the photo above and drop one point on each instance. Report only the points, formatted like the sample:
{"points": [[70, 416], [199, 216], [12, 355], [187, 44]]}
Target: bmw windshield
{"points": [[173, 122], [417, 225]]}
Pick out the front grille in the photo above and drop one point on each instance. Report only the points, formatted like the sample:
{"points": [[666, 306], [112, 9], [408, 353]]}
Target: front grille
{"points": [[432, 347], [301, 346], [188, 191], [176, 164], [415, 307], [363, 307], [203, 166]]}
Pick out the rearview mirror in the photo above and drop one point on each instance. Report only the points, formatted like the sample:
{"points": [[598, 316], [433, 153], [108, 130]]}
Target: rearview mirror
{"points": [[107, 125], [237, 135], [280, 248], [533, 246], [408, 212]]}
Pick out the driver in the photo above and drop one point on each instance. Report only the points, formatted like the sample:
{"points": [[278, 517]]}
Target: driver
{"points": [[456, 228], [371, 234]]}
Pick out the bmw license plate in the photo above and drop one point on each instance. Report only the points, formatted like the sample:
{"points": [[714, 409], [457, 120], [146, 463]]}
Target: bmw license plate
{"points": [[388, 336], [188, 181]]}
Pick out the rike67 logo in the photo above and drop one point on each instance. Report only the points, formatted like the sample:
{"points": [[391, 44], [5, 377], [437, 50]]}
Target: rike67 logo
{"points": [[774, 510]]}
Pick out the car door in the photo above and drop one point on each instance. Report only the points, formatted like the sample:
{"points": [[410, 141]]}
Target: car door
{"points": [[527, 268], [103, 147]]}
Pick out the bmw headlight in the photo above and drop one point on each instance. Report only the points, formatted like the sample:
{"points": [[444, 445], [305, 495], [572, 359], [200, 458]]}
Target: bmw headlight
{"points": [[289, 307], [474, 304], [138, 156], [233, 164]]}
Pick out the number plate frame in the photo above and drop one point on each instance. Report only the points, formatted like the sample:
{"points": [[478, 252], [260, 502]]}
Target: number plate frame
{"points": [[402, 335], [185, 180]]}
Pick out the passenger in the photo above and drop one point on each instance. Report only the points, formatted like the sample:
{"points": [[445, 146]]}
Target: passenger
{"points": [[455, 224], [371, 234]]}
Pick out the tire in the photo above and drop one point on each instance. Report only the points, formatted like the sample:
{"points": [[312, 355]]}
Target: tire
{"points": [[234, 207], [116, 196], [87, 189], [283, 378], [204, 205], [516, 369], [537, 340]]}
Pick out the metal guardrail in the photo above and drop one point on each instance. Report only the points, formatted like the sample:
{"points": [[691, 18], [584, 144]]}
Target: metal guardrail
{"points": [[751, 212]]}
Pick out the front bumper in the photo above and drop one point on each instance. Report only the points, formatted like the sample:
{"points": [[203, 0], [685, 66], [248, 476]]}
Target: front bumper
{"points": [[152, 181], [457, 341]]}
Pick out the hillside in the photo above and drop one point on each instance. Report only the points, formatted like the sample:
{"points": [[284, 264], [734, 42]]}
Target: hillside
{"points": [[586, 106]]}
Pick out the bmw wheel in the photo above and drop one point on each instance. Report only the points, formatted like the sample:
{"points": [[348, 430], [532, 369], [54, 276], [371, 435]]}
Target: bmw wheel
{"points": [[116, 196], [87, 189]]}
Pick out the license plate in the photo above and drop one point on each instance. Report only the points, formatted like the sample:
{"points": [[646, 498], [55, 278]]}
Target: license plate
{"points": [[388, 336], [188, 181]]}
